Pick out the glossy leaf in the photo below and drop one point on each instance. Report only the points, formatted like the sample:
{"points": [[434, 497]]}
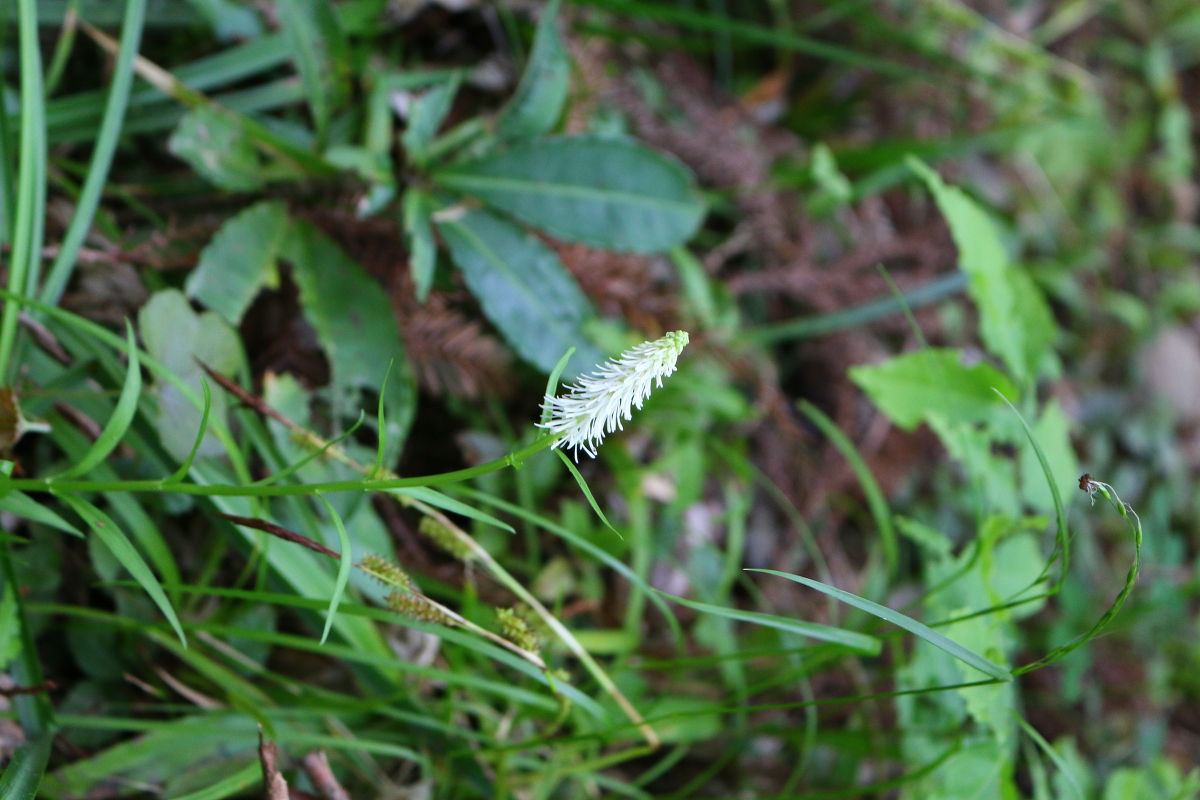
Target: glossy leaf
{"points": [[524, 289], [606, 192]]}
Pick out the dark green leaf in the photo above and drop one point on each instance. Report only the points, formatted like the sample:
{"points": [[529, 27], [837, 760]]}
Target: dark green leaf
{"points": [[320, 52], [422, 250], [605, 192], [538, 101], [240, 260], [524, 289], [425, 116], [357, 328]]}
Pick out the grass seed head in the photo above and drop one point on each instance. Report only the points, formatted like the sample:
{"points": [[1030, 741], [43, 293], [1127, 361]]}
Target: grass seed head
{"points": [[441, 535]]}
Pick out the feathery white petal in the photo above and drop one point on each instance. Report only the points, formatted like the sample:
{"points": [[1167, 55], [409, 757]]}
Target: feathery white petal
{"points": [[598, 403]]}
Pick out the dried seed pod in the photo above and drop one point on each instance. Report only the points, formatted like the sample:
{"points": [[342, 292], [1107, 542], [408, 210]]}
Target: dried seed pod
{"points": [[385, 572], [441, 535], [417, 607]]}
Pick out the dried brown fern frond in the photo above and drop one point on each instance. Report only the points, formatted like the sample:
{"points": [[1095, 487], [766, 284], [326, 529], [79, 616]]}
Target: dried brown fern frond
{"points": [[634, 287], [452, 354]]}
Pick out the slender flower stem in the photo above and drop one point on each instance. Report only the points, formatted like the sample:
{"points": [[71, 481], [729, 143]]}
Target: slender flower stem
{"points": [[230, 490]]}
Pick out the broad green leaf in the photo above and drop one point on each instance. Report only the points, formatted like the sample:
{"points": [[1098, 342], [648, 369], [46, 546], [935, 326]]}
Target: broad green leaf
{"points": [[23, 505], [907, 623], [218, 148], [425, 116], [537, 104], [826, 633], [1014, 320], [178, 338], [422, 250], [119, 545], [356, 325], [240, 260], [910, 388], [524, 289], [320, 53], [612, 193], [121, 417]]}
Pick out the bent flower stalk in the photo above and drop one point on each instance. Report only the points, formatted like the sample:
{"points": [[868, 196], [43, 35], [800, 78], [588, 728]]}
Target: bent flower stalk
{"points": [[597, 404]]}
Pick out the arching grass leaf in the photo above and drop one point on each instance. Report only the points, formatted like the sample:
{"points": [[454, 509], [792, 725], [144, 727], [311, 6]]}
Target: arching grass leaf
{"points": [[909, 624]]}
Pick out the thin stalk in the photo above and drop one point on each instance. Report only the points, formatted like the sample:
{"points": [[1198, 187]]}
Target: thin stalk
{"points": [[231, 490], [102, 155], [31, 188]]}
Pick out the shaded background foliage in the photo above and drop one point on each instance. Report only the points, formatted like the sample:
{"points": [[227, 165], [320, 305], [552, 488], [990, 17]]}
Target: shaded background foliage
{"points": [[303, 192]]}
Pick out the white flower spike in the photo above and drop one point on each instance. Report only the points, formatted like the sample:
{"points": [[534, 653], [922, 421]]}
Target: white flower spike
{"points": [[597, 404]]}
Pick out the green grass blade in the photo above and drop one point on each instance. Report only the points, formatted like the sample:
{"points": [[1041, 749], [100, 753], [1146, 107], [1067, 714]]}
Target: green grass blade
{"points": [[344, 564], [102, 153], [24, 773], [587, 492], [25, 506], [875, 498], [121, 417], [552, 381], [435, 498], [186, 466], [756, 34], [244, 778], [26, 256], [124, 551], [382, 421], [1064, 769], [826, 633], [313, 456], [907, 623], [595, 552], [1063, 536]]}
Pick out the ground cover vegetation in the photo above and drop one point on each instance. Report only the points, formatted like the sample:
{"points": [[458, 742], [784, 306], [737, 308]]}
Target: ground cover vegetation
{"points": [[838, 301]]}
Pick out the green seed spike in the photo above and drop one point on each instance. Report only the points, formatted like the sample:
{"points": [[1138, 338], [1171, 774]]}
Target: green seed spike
{"points": [[385, 572], [417, 607], [514, 628], [441, 535]]}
